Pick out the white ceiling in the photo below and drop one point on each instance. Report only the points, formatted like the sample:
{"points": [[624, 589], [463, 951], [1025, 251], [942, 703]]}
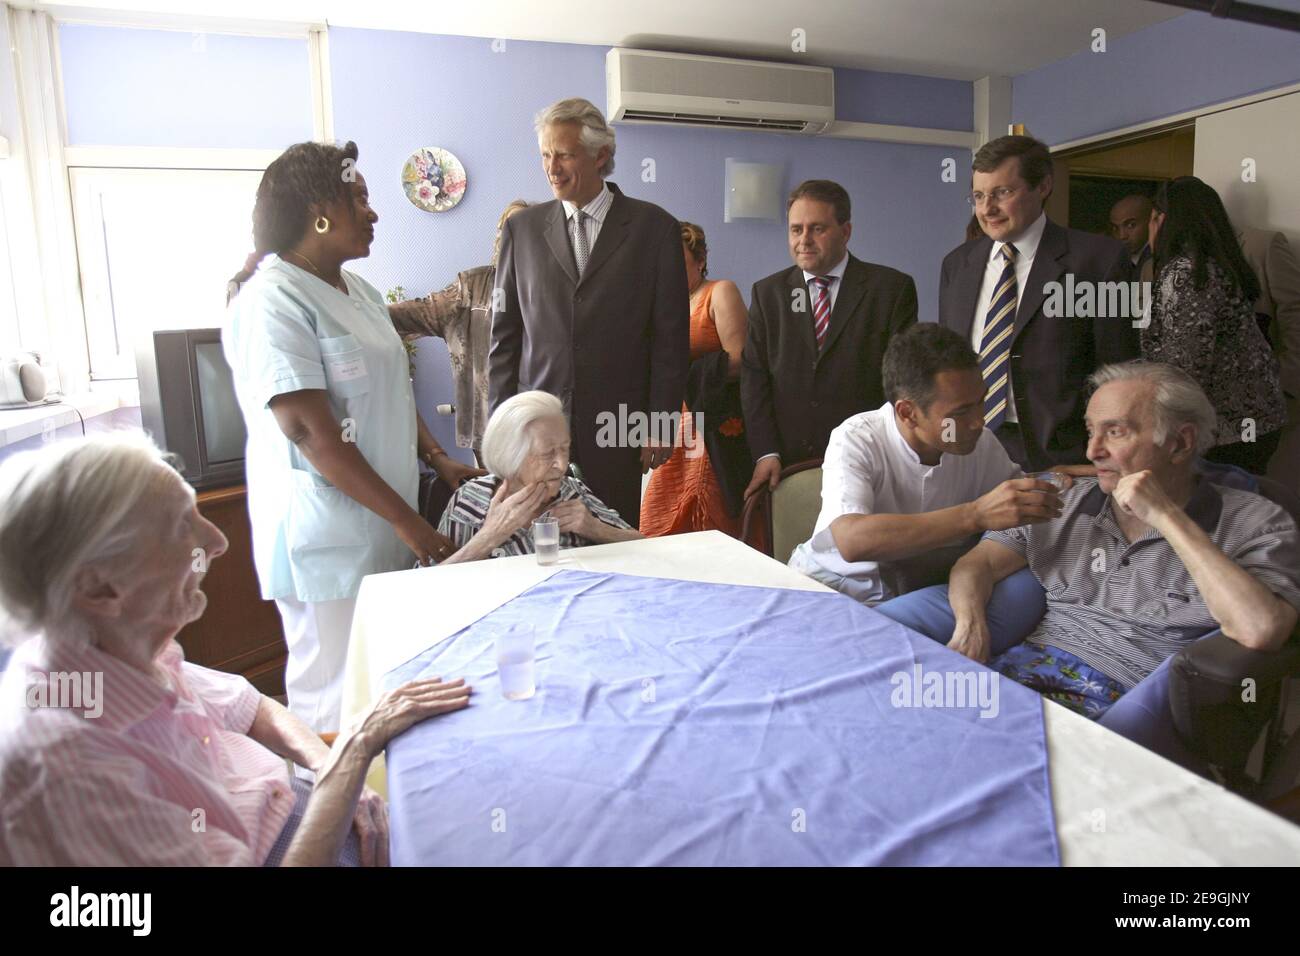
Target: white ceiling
{"points": [[958, 39]]}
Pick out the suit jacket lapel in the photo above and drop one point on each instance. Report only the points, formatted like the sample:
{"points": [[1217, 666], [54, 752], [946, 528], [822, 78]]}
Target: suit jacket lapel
{"points": [[612, 233], [1047, 267], [853, 286], [557, 237], [966, 286], [803, 321]]}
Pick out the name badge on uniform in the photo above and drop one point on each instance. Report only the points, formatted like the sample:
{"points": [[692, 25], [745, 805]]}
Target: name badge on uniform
{"points": [[346, 368]]}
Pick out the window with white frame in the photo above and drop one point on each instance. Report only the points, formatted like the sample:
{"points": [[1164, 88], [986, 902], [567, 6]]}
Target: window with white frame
{"points": [[102, 245], [155, 249]]}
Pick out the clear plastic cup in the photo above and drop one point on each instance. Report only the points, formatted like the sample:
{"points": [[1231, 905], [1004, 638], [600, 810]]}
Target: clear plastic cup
{"points": [[546, 540], [516, 660], [1052, 478]]}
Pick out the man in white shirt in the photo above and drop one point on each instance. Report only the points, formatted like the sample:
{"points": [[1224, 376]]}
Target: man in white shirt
{"points": [[906, 488]]}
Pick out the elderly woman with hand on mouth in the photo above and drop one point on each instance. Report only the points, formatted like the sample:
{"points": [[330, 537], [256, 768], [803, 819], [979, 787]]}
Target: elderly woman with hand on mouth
{"points": [[526, 451], [102, 550]]}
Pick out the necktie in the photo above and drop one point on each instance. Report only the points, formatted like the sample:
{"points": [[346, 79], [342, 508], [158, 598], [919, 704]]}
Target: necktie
{"points": [[995, 343], [581, 248], [821, 308]]}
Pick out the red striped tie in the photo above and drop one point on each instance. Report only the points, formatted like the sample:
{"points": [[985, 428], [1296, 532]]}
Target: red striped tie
{"points": [[821, 308]]}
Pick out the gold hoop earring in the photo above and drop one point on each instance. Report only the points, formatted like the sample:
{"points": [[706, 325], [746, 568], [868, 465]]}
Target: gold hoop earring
{"points": [[322, 225]]}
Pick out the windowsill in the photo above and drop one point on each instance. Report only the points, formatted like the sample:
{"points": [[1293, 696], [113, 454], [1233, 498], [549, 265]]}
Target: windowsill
{"points": [[17, 424]]}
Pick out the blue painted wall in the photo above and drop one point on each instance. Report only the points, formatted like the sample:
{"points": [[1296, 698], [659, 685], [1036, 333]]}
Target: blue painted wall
{"points": [[1181, 64], [129, 87]]}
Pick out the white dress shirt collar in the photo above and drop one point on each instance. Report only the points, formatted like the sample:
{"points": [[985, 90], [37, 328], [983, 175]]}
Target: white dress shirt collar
{"points": [[837, 272], [596, 209], [908, 450], [1027, 242]]}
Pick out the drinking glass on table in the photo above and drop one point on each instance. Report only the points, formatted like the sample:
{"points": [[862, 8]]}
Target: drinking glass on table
{"points": [[546, 539], [516, 660]]}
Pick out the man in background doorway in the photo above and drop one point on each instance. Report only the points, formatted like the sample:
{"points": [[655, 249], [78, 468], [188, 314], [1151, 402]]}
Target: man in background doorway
{"points": [[1128, 223]]}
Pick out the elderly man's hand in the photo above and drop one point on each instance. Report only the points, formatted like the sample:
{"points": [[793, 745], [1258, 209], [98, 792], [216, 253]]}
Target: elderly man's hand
{"points": [[371, 823], [1141, 496], [972, 639]]}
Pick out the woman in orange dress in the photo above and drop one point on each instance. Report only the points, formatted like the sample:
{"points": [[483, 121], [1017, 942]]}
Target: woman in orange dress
{"points": [[684, 493]]}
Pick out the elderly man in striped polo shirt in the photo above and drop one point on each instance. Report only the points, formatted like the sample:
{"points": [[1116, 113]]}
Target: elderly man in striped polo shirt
{"points": [[1146, 558]]}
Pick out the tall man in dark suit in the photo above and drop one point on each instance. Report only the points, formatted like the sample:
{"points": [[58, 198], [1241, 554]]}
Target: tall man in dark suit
{"points": [[591, 306], [817, 335], [995, 291]]}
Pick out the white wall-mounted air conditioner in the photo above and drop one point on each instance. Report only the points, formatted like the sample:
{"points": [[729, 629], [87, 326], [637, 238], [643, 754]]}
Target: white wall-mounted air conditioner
{"points": [[681, 89]]}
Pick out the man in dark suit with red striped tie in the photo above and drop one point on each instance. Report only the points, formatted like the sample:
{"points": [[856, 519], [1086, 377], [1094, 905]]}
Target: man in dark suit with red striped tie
{"points": [[994, 289], [817, 335]]}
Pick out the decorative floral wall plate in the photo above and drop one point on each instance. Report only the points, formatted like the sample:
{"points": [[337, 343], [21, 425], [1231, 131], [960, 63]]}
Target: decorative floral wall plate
{"points": [[433, 179]]}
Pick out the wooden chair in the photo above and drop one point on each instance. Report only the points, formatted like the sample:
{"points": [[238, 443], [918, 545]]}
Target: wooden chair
{"points": [[777, 522]]}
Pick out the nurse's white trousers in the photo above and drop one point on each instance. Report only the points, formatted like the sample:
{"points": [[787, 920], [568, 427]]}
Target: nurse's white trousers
{"points": [[317, 634]]}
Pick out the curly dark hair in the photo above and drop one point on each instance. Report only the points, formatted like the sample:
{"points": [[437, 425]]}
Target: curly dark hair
{"points": [[304, 174]]}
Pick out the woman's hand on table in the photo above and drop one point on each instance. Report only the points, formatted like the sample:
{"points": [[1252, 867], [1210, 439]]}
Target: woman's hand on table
{"points": [[575, 518], [427, 544], [404, 707]]}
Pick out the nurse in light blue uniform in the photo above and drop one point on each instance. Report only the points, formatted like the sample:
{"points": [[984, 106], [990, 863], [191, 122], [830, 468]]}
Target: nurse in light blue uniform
{"points": [[333, 434]]}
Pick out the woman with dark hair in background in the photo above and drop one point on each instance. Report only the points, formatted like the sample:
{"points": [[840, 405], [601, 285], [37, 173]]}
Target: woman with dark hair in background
{"points": [[1203, 321], [322, 380]]}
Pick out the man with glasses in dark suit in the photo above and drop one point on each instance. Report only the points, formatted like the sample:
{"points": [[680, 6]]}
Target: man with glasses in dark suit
{"points": [[993, 291]]}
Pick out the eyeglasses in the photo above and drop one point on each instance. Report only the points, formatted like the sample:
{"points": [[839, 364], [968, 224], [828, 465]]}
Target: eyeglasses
{"points": [[1001, 194]]}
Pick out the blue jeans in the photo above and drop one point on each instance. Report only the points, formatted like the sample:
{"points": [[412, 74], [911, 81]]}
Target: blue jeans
{"points": [[1017, 604]]}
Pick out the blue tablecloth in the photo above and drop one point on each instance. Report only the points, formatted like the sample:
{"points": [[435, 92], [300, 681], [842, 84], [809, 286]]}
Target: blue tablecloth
{"points": [[682, 723]]}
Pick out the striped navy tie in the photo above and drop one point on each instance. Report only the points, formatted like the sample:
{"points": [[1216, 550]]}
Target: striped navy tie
{"points": [[995, 343]]}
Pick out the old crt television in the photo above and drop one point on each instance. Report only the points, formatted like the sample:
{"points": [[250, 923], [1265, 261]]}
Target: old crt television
{"points": [[187, 403]]}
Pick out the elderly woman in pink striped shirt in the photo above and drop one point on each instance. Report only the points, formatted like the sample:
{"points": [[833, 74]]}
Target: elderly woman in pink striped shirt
{"points": [[113, 749]]}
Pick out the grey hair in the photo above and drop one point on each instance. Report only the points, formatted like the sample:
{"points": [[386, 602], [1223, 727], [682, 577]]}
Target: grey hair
{"points": [[1176, 398], [595, 132], [65, 507], [508, 440]]}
